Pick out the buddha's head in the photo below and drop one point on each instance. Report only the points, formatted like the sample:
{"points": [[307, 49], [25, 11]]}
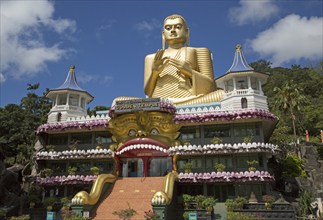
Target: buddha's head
{"points": [[175, 30]]}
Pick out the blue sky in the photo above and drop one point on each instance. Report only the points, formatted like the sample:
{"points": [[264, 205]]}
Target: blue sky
{"points": [[108, 40]]}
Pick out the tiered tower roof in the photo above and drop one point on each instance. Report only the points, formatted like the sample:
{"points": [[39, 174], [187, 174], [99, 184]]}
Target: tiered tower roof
{"points": [[239, 63]]}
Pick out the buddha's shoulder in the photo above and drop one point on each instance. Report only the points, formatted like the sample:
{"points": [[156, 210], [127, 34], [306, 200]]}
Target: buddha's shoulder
{"points": [[150, 56], [199, 49]]}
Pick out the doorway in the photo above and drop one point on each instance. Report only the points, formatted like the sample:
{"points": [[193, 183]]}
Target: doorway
{"points": [[132, 167]]}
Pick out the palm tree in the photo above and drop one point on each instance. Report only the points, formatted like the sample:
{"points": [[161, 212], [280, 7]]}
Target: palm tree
{"points": [[288, 99]]}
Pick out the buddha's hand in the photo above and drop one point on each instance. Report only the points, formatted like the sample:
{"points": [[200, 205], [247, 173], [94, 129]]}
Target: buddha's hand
{"points": [[183, 67], [159, 62]]}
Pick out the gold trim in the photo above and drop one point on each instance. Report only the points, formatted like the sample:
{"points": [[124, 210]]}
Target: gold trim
{"points": [[92, 198], [165, 196]]}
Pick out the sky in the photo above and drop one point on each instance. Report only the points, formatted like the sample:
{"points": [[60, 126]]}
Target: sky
{"points": [[107, 41]]}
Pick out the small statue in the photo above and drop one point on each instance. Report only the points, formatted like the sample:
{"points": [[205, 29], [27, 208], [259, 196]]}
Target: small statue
{"points": [[180, 73]]}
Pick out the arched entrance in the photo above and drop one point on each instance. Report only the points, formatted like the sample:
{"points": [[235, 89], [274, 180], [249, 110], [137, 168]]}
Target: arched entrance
{"points": [[143, 163]]}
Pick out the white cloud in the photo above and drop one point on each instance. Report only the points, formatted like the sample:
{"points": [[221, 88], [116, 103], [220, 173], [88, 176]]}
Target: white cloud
{"points": [[252, 11], [92, 78], [103, 28], [291, 38], [148, 25], [23, 49], [2, 78], [148, 28]]}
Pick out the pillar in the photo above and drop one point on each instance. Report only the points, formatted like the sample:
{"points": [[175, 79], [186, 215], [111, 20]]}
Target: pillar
{"points": [[161, 211]]}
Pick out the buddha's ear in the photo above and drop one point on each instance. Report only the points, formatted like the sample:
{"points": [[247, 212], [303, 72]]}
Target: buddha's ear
{"points": [[163, 41], [187, 37]]}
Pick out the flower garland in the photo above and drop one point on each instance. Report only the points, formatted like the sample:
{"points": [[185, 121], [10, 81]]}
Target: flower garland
{"points": [[66, 180], [257, 176], [62, 126], [223, 148], [224, 116], [79, 154]]}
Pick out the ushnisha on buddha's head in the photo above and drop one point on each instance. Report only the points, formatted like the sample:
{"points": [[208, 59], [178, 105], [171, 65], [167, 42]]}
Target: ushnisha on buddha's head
{"points": [[175, 31]]}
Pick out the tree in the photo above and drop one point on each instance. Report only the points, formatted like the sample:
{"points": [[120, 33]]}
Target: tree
{"points": [[288, 99], [19, 122], [261, 66]]}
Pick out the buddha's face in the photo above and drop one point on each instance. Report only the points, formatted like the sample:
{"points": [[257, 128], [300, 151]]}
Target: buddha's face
{"points": [[175, 31]]}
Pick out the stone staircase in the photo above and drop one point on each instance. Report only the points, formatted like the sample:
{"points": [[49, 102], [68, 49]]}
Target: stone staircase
{"points": [[135, 192]]}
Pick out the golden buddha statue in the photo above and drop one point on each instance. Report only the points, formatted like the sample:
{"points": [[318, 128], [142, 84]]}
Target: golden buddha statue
{"points": [[180, 73]]}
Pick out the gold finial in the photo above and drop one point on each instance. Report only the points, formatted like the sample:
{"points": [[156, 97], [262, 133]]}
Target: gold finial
{"points": [[238, 47], [72, 67]]}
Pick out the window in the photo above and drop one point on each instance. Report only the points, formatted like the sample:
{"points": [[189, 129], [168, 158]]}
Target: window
{"points": [[254, 83], [58, 139], [229, 85], [103, 139], [82, 138], [225, 160], [83, 103], [242, 131], [189, 133], [244, 103], [58, 167], [59, 117], [216, 131], [242, 83], [73, 99], [62, 99], [160, 166]]}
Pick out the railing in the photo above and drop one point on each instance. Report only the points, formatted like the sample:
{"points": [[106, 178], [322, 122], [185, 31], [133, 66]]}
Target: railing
{"points": [[242, 92], [89, 118]]}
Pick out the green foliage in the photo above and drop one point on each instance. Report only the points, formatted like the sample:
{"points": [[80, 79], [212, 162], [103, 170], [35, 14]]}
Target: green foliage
{"points": [[188, 167], [208, 202], [308, 113], [125, 214], [305, 204], [219, 167], [240, 216], [185, 215], [2, 212], [151, 215], [72, 170], [252, 162], [216, 140], [21, 217], [66, 201], [247, 139], [95, 170], [47, 172], [199, 199], [320, 152], [236, 203], [49, 201], [188, 198], [293, 166], [18, 124]]}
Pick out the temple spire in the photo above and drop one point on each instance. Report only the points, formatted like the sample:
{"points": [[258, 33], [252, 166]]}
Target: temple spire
{"points": [[239, 63], [70, 81]]}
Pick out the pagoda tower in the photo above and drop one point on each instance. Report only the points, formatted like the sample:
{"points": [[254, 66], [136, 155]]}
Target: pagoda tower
{"points": [[242, 85], [69, 100]]}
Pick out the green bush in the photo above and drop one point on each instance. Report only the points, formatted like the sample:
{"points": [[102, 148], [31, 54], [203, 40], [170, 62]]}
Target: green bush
{"points": [[320, 152], [236, 203], [185, 215], [293, 166], [240, 216]]}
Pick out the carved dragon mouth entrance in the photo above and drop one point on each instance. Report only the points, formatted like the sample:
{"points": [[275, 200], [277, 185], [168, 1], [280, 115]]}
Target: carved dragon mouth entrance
{"points": [[144, 137]]}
